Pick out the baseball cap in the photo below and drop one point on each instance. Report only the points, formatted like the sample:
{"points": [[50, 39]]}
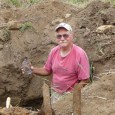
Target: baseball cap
{"points": [[64, 25]]}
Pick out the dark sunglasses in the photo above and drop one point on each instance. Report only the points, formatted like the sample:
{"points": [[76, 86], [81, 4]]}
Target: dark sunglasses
{"points": [[59, 36]]}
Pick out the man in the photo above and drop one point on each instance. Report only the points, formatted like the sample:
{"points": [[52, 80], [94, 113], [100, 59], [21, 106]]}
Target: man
{"points": [[67, 62]]}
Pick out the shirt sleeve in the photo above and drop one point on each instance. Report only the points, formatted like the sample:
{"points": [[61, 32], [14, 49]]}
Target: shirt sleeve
{"points": [[83, 66], [48, 63]]}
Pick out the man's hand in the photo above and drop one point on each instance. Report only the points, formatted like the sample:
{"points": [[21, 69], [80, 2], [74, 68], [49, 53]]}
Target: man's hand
{"points": [[27, 70], [82, 83]]}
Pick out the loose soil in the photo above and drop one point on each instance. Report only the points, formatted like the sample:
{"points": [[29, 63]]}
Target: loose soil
{"points": [[36, 41]]}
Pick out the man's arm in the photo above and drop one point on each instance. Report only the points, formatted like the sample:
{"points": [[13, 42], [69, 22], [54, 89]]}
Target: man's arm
{"points": [[39, 71]]}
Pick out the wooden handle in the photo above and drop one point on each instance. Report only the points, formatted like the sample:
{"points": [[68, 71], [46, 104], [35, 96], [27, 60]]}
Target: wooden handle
{"points": [[77, 100]]}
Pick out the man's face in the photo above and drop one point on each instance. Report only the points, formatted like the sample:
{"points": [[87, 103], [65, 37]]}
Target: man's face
{"points": [[64, 37]]}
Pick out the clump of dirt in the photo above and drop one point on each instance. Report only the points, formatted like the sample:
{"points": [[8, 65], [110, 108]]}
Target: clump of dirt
{"points": [[38, 23], [17, 111]]}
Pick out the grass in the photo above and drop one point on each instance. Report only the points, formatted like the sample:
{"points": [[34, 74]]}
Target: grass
{"points": [[21, 3], [110, 1], [85, 2], [25, 26], [16, 3], [76, 1], [91, 71], [79, 3], [6, 34], [34, 1]]}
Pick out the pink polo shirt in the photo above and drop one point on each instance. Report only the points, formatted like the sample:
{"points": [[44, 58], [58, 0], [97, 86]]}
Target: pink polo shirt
{"points": [[68, 70]]}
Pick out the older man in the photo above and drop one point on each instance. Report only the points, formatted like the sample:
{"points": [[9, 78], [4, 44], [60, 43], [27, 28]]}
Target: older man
{"points": [[67, 62]]}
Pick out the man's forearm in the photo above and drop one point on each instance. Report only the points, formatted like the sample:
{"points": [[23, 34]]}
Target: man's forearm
{"points": [[39, 71]]}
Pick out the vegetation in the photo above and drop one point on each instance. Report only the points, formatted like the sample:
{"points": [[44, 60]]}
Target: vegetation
{"points": [[25, 26], [34, 1], [84, 2], [20, 3], [76, 1], [6, 34], [16, 3], [91, 71]]}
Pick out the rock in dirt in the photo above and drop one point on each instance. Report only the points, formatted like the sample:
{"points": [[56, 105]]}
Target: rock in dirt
{"points": [[56, 21], [14, 25], [106, 29]]}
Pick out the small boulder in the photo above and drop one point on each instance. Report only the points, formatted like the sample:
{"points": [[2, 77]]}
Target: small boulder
{"points": [[14, 25], [105, 29], [56, 21]]}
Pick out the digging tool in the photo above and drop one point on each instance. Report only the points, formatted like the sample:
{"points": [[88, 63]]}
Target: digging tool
{"points": [[77, 100], [46, 100]]}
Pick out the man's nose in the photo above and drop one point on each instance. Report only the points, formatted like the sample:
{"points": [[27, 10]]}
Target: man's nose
{"points": [[62, 38]]}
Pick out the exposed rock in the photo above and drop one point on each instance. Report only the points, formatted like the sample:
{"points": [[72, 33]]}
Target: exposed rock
{"points": [[14, 25], [56, 21], [105, 29], [67, 15]]}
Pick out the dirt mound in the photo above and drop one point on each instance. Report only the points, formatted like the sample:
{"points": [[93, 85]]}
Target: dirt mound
{"points": [[98, 46], [35, 38], [98, 98], [34, 43]]}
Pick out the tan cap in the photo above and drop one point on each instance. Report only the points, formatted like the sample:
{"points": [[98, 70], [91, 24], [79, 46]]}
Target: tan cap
{"points": [[64, 25]]}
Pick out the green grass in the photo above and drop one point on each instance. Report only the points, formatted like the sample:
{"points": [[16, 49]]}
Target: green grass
{"points": [[110, 1], [80, 3], [76, 1], [21, 3], [25, 26], [6, 34], [16, 3], [85, 2], [34, 1], [91, 71]]}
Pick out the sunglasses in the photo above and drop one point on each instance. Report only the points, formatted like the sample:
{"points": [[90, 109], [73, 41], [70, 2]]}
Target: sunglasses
{"points": [[59, 36]]}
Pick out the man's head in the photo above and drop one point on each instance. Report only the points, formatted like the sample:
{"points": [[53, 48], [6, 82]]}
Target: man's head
{"points": [[64, 34]]}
